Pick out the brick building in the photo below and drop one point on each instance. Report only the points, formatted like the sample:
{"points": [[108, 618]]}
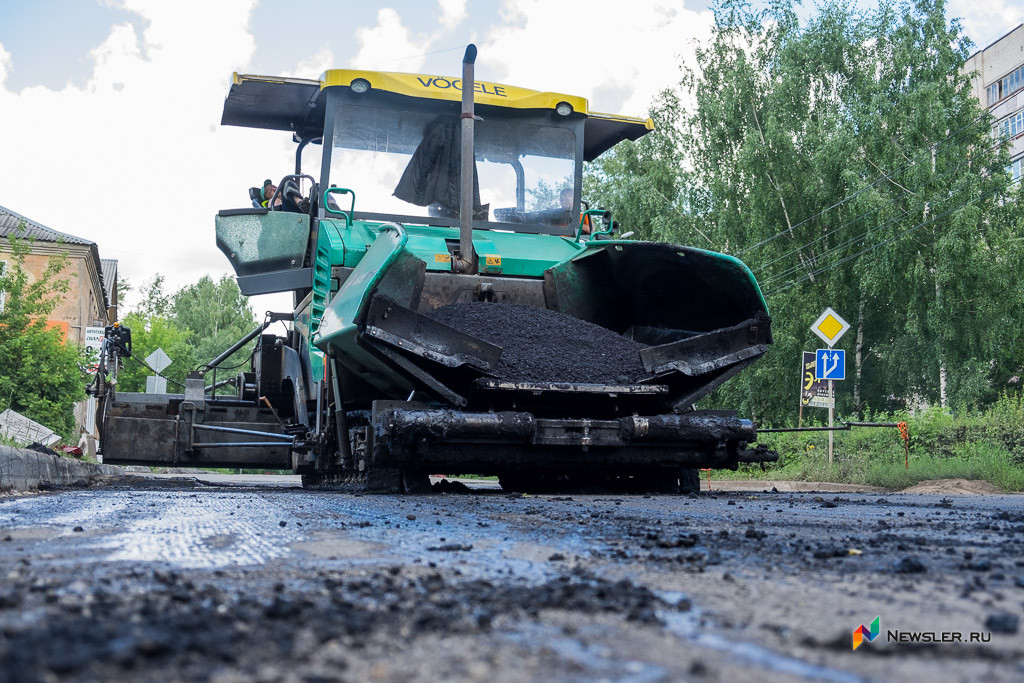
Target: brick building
{"points": [[92, 298]]}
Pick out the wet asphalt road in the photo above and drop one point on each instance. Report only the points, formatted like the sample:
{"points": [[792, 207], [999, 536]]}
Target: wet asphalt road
{"points": [[168, 580]]}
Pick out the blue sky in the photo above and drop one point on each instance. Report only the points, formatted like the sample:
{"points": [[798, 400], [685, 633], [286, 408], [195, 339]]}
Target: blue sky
{"points": [[117, 102]]}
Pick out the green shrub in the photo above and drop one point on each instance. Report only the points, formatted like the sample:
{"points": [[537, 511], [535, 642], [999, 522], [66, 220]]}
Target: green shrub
{"points": [[987, 445]]}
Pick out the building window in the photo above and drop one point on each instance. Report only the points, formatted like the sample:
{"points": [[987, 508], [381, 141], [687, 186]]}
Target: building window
{"points": [[993, 93], [1011, 126], [1006, 86], [1013, 82], [1016, 169]]}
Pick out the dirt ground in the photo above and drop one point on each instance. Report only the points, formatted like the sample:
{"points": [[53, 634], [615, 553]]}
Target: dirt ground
{"points": [[950, 486], [178, 580]]}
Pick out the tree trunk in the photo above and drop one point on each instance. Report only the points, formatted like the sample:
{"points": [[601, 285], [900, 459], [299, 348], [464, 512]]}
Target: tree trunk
{"points": [[942, 360], [858, 357]]}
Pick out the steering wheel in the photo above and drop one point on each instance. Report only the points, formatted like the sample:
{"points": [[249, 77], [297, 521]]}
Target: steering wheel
{"points": [[294, 176]]}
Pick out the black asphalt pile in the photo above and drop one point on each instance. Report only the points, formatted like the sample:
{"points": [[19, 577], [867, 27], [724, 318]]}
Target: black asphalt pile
{"points": [[539, 345]]}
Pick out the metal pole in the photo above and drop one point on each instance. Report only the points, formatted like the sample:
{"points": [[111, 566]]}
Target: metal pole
{"points": [[239, 444], [248, 432], [844, 428], [218, 385], [831, 417], [777, 430], [467, 254], [800, 415], [237, 345], [271, 318], [340, 426]]}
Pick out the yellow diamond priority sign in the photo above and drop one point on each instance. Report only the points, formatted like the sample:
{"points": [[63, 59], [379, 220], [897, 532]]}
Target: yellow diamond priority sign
{"points": [[830, 327]]}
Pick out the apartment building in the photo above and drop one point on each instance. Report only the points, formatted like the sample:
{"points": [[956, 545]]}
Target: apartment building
{"points": [[998, 81]]}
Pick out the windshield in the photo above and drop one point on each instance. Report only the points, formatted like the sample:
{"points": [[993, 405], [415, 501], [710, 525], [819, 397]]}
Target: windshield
{"points": [[406, 162]]}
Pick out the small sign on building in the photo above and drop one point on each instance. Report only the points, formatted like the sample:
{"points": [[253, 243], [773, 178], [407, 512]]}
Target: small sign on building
{"points": [[93, 344], [93, 338]]}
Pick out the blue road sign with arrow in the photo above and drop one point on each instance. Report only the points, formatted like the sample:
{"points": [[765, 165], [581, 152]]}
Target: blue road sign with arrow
{"points": [[830, 364]]}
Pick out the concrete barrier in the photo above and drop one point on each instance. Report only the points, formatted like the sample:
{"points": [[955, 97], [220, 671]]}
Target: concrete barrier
{"points": [[25, 470]]}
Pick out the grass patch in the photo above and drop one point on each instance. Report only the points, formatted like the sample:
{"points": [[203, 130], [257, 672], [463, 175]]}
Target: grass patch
{"points": [[986, 446], [987, 462]]}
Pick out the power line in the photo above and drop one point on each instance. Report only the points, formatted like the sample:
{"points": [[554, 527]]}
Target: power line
{"points": [[436, 52], [839, 247], [672, 204], [779, 277], [881, 176], [868, 213], [831, 250], [895, 237]]}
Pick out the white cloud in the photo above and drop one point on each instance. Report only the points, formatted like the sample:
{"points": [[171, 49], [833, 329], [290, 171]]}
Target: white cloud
{"points": [[986, 21], [314, 65], [138, 162], [388, 43], [618, 59], [5, 64], [453, 12]]}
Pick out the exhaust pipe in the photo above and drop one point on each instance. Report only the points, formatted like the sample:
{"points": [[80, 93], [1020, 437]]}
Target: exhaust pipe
{"points": [[467, 255]]}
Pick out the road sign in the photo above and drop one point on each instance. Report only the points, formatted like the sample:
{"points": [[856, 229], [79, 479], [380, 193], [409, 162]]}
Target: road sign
{"points": [[813, 392], [830, 327], [830, 364], [156, 385], [158, 360]]}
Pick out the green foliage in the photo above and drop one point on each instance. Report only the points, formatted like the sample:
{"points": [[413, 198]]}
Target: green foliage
{"points": [[847, 163], [217, 315], [148, 335], [193, 326], [40, 375], [986, 445], [974, 461], [544, 195], [643, 182]]}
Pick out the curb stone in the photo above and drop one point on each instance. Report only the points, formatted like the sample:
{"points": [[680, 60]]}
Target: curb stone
{"points": [[25, 470]]}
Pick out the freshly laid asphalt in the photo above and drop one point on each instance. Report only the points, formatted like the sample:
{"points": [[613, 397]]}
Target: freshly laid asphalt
{"points": [[174, 579]]}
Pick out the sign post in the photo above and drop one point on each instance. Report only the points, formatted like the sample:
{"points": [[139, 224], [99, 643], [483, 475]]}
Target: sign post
{"points": [[159, 361], [830, 327]]}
